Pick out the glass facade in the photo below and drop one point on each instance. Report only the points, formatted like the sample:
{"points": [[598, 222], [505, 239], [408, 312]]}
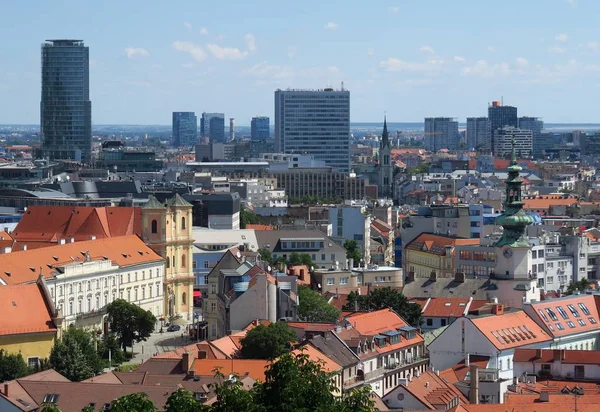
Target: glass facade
{"points": [[441, 133], [315, 122], [501, 116], [65, 108], [259, 128], [212, 125], [185, 129]]}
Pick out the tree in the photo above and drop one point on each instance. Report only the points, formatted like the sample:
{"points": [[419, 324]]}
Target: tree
{"points": [[49, 407], [183, 400], [74, 355], [300, 259], [352, 251], [12, 366], [110, 344], [231, 396], [129, 322], [136, 402], [580, 285], [267, 342], [247, 217], [382, 298], [314, 307], [265, 255]]}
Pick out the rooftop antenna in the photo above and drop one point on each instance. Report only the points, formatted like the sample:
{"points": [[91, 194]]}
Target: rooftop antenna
{"points": [[342, 85]]}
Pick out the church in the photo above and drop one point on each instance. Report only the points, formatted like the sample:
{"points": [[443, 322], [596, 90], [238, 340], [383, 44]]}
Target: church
{"points": [[385, 169]]}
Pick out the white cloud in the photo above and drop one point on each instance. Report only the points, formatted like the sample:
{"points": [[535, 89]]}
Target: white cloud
{"points": [[250, 42], [265, 70], [394, 9], [204, 31], [188, 25], [133, 52], [484, 69], [491, 49], [593, 46], [333, 69], [427, 49], [521, 62], [226, 53], [557, 50], [370, 52], [562, 37], [459, 59], [396, 65], [291, 52], [331, 26], [194, 50]]}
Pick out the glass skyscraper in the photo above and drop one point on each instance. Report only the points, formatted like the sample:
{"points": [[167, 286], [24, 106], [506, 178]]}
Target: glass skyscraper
{"points": [[259, 128], [478, 132], [441, 133], [65, 108], [185, 129], [500, 116], [315, 122], [213, 126]]}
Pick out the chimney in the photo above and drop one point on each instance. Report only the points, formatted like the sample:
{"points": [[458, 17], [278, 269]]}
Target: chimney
{"points": [[459, 277], [350, 264], [544, 396], [559, 355], [498, 309], [474, 385], [538, 353], [186, 362], [467, 360], [6, 389]]}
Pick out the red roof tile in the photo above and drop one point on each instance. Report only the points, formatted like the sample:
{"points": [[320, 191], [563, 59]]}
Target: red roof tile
{"points": [[566, 316], [549, 355], [242, 367], [510, 330], [24, 310]]}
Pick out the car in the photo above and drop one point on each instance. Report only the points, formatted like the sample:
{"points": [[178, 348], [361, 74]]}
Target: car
{"points": [[173, 328]]}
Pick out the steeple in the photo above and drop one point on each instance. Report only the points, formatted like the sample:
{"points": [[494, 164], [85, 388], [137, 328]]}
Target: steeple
{"points": [[385, 138]]}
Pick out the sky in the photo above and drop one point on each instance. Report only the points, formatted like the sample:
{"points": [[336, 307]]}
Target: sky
{"points": [[407, 58]]}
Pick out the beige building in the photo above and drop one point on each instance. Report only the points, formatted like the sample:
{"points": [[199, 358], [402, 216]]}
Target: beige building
{"points": [[344, 280], [167, 229]]}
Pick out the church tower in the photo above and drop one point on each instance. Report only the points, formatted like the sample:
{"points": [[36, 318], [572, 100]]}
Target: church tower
{"points": [[386, 169]]}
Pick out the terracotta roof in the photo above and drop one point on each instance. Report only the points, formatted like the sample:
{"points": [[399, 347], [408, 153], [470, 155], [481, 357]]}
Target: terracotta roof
{"points": [[161, 366], [433, 391], [548, 356], [258, 227], [555, 386], [510, 330], [230, 344], [436, 244], [312, 326], [544, 202], [24, 310], [460, 369], [502, 164], [447, 307], [242, 367], [566, 316], [209, 351], [6, 240], [327, 364], [25, 266]]}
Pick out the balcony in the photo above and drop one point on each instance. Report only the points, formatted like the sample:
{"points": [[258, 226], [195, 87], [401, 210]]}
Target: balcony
{"points": [[393, 366], [91, 314]]}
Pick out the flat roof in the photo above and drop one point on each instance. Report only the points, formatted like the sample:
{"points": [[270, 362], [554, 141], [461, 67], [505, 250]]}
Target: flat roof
{"points": [[225, 164]]}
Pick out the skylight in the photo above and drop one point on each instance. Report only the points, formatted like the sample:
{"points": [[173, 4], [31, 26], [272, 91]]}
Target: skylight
{"points": [[571, 324], [581, 322], [560, 326], [562, 312], [551, 314], [448, 304], [592, 320], [573, 310], [543, 315], [584, 308]]}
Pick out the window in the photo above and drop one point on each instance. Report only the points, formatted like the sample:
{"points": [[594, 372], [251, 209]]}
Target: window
{"points": [[443, 322], [183, 260], [322, 256], [33, 362], [579, 371], [534, 254], [213, 306], [330, 281], [429, 322], [135, 276], [543, 315], [581, 322], [158, 289], [584, 309], [60, 291], [173, 262], [105, 282], [551, 313], [343, 281], [89, 304], [128, 277], [562, 312], [571, 324], [136, 294], [129, 295], [573, 310], [500, 364], [540, 253], [206, 264], [97, 302], [559, 326], [168, 262], [80, 306], [70, 289], [592, 321], [183, 223], [546, 367], [184, 298], [333, 257], [71, 307], [154, 226], [143, 275]]}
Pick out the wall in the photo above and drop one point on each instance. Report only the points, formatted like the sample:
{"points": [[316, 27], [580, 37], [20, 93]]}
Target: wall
{"points": [[251, 305], [30, 345]]}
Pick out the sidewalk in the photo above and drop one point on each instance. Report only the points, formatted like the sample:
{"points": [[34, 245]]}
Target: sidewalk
{"points": [[158, 343]]}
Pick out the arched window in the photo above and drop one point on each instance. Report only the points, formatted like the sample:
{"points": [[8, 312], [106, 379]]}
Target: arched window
{"points": [[168, 262], [183, 263], [183, 223], [184, 298], [154, 226]]}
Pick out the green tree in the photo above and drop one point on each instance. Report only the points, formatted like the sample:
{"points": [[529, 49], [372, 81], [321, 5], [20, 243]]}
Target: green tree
{"points": [[231, 396], [110, 344], [580, 285], [352, 251], [267, 342], [129, 322], [74, 355], [136, 402], [267, 256], [49, 407], [300, 259], [247, 217], [358, 400], [382, 298], [12, 366], [314, 307], [422, 168], [183, 400]]}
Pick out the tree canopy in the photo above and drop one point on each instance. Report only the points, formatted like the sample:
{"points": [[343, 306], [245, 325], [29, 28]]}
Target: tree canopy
{"points": [[247, 217], [300, 259], [382, 298], [314, 307], [12, 366], [74, 355], [580, 285], [136, 402], [129, 322], [267, 342], [352, 251]]}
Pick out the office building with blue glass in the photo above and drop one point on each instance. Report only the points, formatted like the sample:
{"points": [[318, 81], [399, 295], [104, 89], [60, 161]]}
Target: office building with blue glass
{"points": [[185, 129], [259, 128], [212, 125]]}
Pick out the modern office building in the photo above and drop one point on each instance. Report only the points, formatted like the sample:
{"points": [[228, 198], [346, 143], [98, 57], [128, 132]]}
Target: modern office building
{"points": [[185, 129], [478, 132], [536, 125], [259, 128], [501, 116], [441, 133], [231, 129], [523, 140], [65, 108], [314, 122], [212, 125]]}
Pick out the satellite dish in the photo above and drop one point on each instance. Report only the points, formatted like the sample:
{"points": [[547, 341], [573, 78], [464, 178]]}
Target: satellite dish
{"points": [[319, 286], [269, 268], [238, 254]]}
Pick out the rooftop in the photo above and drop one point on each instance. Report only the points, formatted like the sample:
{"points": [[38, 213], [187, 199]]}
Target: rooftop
{"points": [[438, 244], [510, 330], [590, 357], [24, 310]]}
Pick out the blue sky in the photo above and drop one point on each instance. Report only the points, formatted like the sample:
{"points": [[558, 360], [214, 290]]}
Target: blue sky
{"points": [[409, 58]]}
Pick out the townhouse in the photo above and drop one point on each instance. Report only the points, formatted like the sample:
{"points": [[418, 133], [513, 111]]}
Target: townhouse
{"points": [[558, 363]]}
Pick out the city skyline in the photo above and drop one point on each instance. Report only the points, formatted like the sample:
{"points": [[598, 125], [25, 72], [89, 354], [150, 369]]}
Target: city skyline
{"points": [[232, 62]]}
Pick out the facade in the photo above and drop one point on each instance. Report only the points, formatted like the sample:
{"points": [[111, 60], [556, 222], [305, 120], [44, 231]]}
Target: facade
{"points": [[66, 109], [386, 168], [499, 117], [440, 312], [558, 363], [523, 142], [441, 133], [352, 223], [185, 129], [321, 183], [260, 128], [212, 125], [167, 229], [360, 278], [536, 125], [314, 122], [215, 210], [478, 132], [122, 160]]}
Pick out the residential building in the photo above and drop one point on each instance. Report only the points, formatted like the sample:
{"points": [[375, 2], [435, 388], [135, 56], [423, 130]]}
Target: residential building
{"points": [[29, 321], [459, 286], [322, 183], [558, 363], [357, 279], [167, 229], [536, 125], [214, 152], [499, 117], [185, 129], [212, 125], [260, 193], [352, 223], [438, 312], [259, 128], [382, 243], [66, 109], [503, 142], [441, 133], [315, 122], [478, 132], [121, 159], [215, 210]]}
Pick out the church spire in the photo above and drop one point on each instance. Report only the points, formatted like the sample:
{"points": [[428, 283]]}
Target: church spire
{"points": [[385, 138]]}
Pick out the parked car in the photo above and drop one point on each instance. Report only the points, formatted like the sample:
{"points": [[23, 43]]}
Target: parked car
{"points": [[173, 328]]}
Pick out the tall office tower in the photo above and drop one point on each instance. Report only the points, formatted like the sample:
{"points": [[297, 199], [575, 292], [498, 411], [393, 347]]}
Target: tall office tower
{"points": [[314, 122], [65, 108], [501, 116], [231, 129], [441, 133], [185, 129], [523, 140], [478, 132], [212, 125], [259, 128], [536, 125]]}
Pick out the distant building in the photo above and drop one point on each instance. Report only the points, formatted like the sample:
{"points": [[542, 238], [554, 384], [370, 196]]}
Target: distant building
{"points": [[352, 223], [259, 128], [536, 125], [66, 109], [212, 125], [185, 129], [231, 129], [314, 122], [319, 182], [120, 159], [501, 116], [590, 144], [523, 140], [478, 132], [441, 133]]}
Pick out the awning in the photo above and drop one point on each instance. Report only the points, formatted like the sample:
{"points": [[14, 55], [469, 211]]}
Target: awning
{"points": [[197, 294]]}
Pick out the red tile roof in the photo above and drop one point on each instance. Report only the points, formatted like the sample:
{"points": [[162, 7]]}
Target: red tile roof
{"points": [[549, 355], [448, 307], [433, 391], [566, 316], [242, 367], [327, 364], [510, 330], [256, 226], [6, 240], [436, 244], [24, 310], [545, 202]]}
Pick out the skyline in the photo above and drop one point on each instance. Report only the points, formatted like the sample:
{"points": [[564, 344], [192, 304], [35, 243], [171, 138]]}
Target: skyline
{"points": [[409, 60]]}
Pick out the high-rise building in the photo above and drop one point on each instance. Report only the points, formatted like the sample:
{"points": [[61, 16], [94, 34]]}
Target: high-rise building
{"points": [[478, 132], [501, 116], [536, 125], [212, 125], [314, 122], [523, 142], [231, 129], [65, 108], [259, 128], [185, 129], [441, 133]]}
